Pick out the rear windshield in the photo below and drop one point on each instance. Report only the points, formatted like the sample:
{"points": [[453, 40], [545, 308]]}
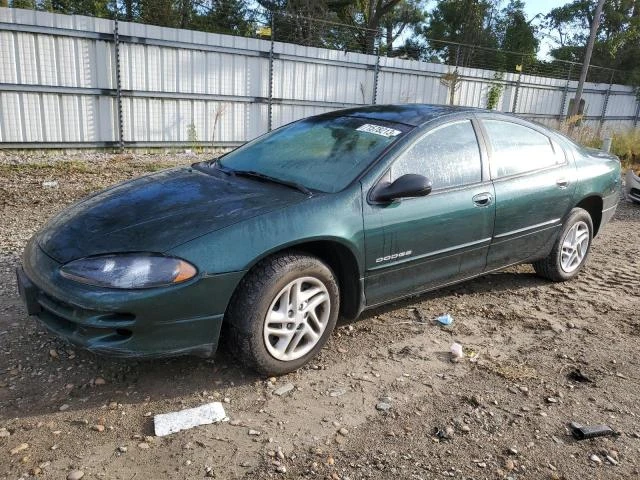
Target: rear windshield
{"points": [[322, 153]]}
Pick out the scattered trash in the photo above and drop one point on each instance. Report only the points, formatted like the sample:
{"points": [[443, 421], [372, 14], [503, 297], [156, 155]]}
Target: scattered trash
{"points": [[50, 184], [167, 423], [577, 376], [456, 352], [445, 319], [584, 432], [284, 389]]}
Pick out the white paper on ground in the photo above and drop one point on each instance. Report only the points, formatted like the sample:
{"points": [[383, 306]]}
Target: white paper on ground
{"points": [[166, 423]]}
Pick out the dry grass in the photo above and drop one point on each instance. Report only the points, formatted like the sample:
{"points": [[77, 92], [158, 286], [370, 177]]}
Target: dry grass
{"points": [[625, 144]]}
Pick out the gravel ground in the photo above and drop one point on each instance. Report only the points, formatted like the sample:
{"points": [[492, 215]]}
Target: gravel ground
{"points": [[383, 400]]}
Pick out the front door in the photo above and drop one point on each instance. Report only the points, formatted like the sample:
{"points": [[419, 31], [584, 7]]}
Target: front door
{"points": [[416, 244], [534, 184]]}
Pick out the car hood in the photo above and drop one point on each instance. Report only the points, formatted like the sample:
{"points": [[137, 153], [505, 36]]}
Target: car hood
{"points": [[157, 212]]}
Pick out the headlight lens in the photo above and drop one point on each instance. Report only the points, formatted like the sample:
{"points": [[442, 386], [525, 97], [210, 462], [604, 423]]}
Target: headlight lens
{"points": [[129, 270]]}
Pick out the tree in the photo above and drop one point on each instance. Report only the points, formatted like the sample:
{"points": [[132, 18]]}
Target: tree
{"points": [[224, 16], [468, 22], [617, 44], [408, 14], [517, 35]]}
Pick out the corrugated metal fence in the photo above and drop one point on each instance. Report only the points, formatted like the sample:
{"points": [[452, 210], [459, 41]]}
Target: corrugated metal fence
{"points": [[74, 81]]}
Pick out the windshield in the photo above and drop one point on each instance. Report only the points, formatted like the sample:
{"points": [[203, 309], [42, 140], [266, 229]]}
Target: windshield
{"points": [[324, 154]]}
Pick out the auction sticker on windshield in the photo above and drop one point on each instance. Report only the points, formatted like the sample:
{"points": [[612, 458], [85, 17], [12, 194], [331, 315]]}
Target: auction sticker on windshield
{"points": [[379, 130]]}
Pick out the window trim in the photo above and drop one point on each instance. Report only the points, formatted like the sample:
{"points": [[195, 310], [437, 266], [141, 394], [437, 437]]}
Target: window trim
{"points": [[437, 127], [489, 147]]}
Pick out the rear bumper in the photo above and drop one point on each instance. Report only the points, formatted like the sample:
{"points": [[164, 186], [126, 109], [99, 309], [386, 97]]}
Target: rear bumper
{"points": [[162, 322], [632, 186]]}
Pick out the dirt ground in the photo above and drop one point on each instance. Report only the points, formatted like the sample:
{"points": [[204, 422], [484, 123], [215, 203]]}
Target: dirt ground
{"points": [[383, 400]]}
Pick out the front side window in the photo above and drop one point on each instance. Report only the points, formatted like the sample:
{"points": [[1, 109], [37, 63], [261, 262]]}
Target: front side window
{"points": [[518, 149], [321, 153], [449, 156]]}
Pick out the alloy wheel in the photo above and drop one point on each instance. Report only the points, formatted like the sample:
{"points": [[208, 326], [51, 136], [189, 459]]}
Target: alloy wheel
{"points": [[574, 247], [297, 318]]}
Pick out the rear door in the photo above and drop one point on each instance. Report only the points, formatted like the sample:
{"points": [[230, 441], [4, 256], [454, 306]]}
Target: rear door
{"points": [[534, 184], [415, 244]]}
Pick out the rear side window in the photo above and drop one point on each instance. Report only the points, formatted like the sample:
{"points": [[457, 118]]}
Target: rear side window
{"points": [[518, 149], [449, 156]]}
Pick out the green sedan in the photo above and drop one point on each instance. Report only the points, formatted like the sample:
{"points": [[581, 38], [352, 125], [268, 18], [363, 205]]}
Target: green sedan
{"points": [[324, 217]]}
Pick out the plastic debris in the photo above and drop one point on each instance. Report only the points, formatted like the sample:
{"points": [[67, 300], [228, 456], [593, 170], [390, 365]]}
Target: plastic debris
{"points": [[166, 423], [445, 319], [50, 184], [456, 351], [584, 432], [284, 389]]}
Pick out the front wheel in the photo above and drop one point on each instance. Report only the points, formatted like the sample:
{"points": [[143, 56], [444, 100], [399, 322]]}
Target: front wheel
{"points": [[283, 312], [569, 253]]}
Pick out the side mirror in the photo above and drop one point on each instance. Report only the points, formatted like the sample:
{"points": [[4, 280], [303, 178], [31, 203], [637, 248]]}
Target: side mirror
{"points": [[409, 185]]}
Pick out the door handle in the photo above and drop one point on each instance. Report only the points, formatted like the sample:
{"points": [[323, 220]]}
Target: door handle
{"points": [[562, 182], [482, 199]]}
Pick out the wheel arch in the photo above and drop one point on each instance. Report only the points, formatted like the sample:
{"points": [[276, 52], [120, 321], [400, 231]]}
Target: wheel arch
{"points": [[593, 204], [340, 258]]}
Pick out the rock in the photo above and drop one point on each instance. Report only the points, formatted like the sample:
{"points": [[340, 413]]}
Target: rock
{"points": [[513, 450], [254, 433], [64, 407], [19, 448], [343, 431], [143, 445], [75, 475], [122, 449], [330, 461], [281, 469], [284, 389], [35, 471], [113, 405], [4, 433], [383, 406], [596, 459], [99, 381], [481, 465], [509, 465], [53, 353], [98, 428], [208, 472], [611, 460], [280, 454]]}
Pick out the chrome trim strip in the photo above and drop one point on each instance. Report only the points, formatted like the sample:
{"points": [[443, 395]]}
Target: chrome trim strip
{"points": [[431, 254], [520, 230]]}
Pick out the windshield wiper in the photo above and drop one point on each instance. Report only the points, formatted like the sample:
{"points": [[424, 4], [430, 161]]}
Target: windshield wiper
{"points": [[262, 176]]}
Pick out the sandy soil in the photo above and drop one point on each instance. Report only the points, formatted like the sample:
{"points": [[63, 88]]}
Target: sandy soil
{"points": [[502, 412]]}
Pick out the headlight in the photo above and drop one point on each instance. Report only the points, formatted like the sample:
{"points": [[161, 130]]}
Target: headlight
{"points": [[129, 270]]}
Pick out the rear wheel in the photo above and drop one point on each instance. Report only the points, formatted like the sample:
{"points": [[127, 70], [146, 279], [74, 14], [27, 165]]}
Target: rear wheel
{"points": [[283, 312], [569, 254]]}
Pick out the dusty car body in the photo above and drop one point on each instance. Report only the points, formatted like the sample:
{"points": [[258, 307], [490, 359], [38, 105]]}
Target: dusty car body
{"points": [[328, 216], [632, 186]]}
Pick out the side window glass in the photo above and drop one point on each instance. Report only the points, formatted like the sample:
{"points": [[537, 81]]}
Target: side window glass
{"points": [[519, 149], [449, 156]]}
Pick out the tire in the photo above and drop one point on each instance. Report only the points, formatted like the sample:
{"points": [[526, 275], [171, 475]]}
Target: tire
{"points": [[258, 304], [552, 267]]}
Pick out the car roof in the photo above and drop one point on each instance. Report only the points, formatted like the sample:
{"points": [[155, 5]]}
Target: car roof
{"points": [[414, 114]]}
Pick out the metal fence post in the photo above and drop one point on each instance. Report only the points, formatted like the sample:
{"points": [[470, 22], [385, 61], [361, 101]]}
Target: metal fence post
{"points": [[565, 93], [637, 117], [116, 41], [270, 99], [605, 103], [376, 71]]}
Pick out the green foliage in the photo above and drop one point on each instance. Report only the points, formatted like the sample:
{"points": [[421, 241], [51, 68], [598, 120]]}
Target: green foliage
{"points": [[495, 91], [192, 137], [617, 43]]}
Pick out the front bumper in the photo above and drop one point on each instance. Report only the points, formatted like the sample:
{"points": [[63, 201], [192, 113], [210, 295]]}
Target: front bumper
{"points": [[158, 322], [632, 186]]}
